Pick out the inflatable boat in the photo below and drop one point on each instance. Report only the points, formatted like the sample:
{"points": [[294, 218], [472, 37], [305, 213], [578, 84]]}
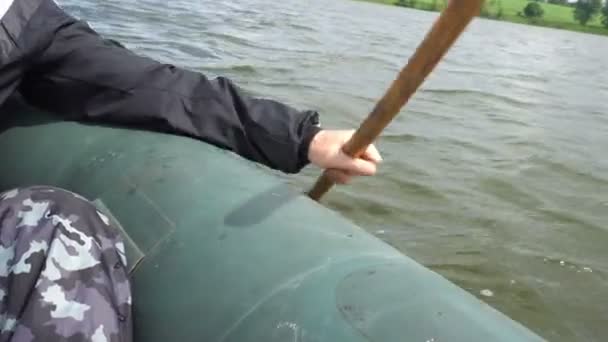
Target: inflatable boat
{"points": [[219, 249]]}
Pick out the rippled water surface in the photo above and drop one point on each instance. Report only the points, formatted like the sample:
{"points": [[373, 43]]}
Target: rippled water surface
{"points": [[495, 175]]}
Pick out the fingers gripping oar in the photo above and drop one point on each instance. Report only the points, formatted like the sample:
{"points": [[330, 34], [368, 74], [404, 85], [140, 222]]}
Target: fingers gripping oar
{"points": [[451, 23]]}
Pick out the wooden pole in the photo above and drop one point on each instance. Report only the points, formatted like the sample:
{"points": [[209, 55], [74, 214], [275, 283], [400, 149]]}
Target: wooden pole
{"points": [[444, 32]]}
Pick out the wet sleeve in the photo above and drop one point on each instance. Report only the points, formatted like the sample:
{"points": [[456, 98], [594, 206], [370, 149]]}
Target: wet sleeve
{"points": [[81, 76]]}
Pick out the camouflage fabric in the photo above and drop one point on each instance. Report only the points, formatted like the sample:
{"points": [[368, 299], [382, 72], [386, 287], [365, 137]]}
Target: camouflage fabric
{"points": [[63, 270]]}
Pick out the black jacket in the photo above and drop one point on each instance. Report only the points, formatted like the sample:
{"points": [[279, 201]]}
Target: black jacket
{"points": [[61, 65]]}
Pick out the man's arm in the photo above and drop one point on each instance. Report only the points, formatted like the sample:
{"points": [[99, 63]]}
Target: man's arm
{"points": [[79, 75], [69, 70]]}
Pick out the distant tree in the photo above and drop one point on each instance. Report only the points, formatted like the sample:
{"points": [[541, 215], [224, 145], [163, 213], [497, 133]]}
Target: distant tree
{"points": [[406, 3], [485, 10], [605, 15], [533, 10], [585, 10], [435, 5], [499, 12]]}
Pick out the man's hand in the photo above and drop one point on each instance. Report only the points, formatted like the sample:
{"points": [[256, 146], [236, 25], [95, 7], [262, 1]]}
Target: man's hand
{"points": [[325, 151]]}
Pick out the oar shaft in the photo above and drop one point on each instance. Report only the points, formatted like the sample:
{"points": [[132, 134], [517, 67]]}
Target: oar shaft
{"points": [[451, 23]]}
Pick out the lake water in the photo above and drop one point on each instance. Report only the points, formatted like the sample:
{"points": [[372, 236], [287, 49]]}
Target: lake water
{"points": [[495, 174]]}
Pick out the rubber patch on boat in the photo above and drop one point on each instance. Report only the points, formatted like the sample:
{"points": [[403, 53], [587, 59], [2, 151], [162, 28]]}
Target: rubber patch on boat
{"points": [[132, 251], [396, 302], [399, 310]]}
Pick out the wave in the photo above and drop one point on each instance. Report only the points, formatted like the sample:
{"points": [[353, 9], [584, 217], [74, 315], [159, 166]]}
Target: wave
{"points": [[479, 94]]}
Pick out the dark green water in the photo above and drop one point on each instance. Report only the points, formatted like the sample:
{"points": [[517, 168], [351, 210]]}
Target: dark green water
{"points": [[495, 175]]}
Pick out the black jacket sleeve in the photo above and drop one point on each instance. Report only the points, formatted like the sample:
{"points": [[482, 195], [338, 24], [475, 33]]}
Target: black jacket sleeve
{"points": [[77, 74]]}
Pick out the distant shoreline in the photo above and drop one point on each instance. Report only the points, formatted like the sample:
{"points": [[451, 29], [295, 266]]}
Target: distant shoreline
{"points": [[551, 19]]}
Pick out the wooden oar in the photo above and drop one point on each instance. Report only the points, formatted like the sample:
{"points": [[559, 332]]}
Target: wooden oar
{"points": [[451, 23]]}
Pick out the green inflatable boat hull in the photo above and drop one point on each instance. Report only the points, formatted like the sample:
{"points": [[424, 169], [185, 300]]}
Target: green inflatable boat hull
{"points": [[222, 250]]}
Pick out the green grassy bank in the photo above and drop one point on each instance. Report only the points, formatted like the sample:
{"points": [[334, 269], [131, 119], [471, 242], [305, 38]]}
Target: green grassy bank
{"points": [[555, 16]]}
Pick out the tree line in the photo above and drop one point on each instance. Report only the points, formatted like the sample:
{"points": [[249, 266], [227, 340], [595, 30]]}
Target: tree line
{"points": [[438, 5], [583, 10]]}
